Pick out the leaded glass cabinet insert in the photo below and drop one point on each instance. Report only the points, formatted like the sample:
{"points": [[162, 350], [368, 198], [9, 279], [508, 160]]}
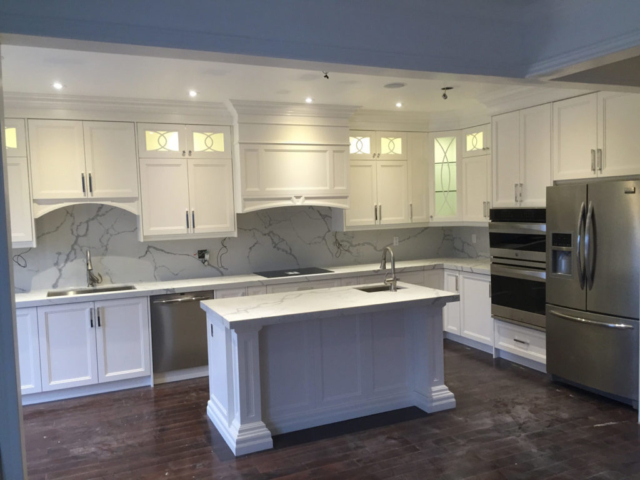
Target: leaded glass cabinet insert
{"points": [[161, 141], [361, 145], [475, 141], [445, 176]]}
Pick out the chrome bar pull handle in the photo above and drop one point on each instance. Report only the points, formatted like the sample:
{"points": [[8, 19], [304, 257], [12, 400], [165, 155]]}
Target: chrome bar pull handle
{"points": [[99, 320], [593, 160], [375, 212], [91, 317], [411, 211], [193, 219], [581, 273], [589, 247], [621, 326], [91, 185], [521, 189], [187, 214], [380, 212], [600, 160], [84, 189], [515, 189]]}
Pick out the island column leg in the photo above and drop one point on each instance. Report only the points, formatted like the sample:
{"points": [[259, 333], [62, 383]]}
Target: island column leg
{"points": [[247, 428], [430, 392]]}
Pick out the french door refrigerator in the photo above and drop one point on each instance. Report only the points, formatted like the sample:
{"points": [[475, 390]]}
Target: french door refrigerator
{"points": [[593, 284]]}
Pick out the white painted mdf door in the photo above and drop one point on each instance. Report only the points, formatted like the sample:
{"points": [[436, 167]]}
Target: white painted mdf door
{"points": [[477, 187], [362, 145], [363, 198], [67, 346], [505, 130], [20, 202], [451, 311], [208, 141], [391, 145], [165, 197], [57, 159], [112, 166], [418, 177], [211, 196], [393, 197], [618, 130], [162, 140], [123, 344], [28, 350], [535, 155], [15, 137], [575, 137], [475, 301]]}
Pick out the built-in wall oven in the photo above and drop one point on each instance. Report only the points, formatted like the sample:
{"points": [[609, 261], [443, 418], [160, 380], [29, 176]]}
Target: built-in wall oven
{"points": [[517, 241]]}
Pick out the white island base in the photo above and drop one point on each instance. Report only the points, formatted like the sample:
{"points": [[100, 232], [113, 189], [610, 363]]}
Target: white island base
{"points": [[285, 362]]}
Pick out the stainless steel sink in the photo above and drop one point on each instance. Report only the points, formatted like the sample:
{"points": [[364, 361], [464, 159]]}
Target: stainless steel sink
{"points": [[88, 291], [377, 288]]}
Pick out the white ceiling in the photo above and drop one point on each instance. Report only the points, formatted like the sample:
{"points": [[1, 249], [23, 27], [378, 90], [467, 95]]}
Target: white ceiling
{"points": [[33, 70]]}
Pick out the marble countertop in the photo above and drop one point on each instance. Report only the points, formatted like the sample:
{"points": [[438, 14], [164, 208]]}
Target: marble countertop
{"points": [[39, 297], [285, 307]]}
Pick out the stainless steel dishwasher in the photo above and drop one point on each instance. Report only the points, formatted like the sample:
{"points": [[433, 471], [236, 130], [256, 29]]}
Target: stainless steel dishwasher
{"points": [[179, 331]]}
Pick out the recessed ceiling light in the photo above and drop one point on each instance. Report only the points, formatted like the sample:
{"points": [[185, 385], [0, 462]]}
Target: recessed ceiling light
{"points": [[399, 104], [395, 85], [58, 85], [193, 93], [309, 100]]}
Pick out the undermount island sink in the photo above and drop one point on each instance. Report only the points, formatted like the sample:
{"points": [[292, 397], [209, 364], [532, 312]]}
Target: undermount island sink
{"points": [[88, 291], [378, 288]]}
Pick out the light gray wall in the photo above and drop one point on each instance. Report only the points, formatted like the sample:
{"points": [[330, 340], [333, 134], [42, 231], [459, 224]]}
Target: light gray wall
{"points": [[267, 240]]}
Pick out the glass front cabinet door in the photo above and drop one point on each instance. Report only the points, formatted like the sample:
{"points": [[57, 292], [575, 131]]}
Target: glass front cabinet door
{"points": [[14, 134], [445, 184], [366, 145], [184, 141], [477, 140], [361, 145]]}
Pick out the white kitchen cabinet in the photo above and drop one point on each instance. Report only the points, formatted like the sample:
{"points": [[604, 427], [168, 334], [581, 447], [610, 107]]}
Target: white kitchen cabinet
{"points": [[111, 164], [434, 279], [575, 137], [451, 311], [206, 141], [302, 286], [520, 341], [123, 339], [618, 127], [365, 145], [393, 198], [477, 141], [211, 196], [22, 227], [67, 342], [417, 144], [364, 191], [476, 181], [445, 178], [162, 140], [362, 145], [165, 197], [15, 137], [28, 350], [522, 157], [57, 159], [475, 308]]}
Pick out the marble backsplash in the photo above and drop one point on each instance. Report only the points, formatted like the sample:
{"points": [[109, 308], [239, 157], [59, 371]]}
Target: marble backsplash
{"points": [[267, 240]]}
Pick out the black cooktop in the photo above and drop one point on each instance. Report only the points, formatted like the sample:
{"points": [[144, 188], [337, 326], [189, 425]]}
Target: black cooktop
{"points": [[294, 272]]}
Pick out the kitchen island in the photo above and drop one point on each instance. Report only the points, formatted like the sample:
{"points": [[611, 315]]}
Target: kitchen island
{"points": [[288, 361]]}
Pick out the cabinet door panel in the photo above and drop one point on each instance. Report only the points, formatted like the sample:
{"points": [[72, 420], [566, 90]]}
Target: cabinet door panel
{"points": [[391, 145], [451, 311], [393, 199], [363, 198], [165, 196], [477, 323], [57, 159], [160, 140], [505, 130], [123, 339], [618, 128], [575, 135], [362, 145], [418, 176], [208, 141], [67, 346], [110, 151], [477, 141], [535, 155], [475, 179], [28, 350], [211, 196], [19, 200], [446, 179], [15, 138]]}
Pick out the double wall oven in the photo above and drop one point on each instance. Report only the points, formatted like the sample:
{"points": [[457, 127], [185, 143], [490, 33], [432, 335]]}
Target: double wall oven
{"points": [[517, 239]]}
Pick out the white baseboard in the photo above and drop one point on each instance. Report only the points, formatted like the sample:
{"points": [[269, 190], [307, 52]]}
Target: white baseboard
{"points": [[179, 375], [468, 342], [87, 390], [250, 438], [525, 362]]}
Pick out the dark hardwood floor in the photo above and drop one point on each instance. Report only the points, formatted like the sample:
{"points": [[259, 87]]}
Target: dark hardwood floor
{"points": [[510, 423]]}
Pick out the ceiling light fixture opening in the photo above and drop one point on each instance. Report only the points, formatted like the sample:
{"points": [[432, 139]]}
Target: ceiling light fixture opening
{"points": [[193, 93], [308, 100], [399, 104], [58, 85]]}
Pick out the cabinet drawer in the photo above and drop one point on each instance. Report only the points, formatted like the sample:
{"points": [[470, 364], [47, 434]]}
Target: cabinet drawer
{"points": [[521, 341]]}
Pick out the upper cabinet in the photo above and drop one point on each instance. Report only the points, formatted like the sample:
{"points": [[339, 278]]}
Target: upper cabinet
{"points": [[183, 141], [476, 179], [522, 157], [477, 141], [15, 137], [73, 160], [366, 145], [594, 136], [445, 181]]}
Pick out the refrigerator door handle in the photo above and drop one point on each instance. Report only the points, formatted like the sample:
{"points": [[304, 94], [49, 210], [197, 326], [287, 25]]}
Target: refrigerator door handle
{"points": [[581, 272], [621, 326], [589, 247]]}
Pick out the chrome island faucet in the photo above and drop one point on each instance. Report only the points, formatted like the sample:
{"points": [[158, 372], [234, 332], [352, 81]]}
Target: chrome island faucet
{"points": [[92, 278], [392, 282]]}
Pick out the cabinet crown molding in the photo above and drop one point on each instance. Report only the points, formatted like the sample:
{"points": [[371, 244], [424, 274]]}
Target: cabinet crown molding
{"points": [[245, 110], [518, 98]]}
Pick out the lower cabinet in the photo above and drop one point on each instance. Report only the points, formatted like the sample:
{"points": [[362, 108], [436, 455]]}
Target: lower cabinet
{"points": [[521, 341], [28, 352], [87, 343], [22, 230], [451, 311], [475, 308]]}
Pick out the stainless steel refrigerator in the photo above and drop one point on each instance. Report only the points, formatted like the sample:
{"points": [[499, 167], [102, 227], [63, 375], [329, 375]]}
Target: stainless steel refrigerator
{"points": [[593, 284]]}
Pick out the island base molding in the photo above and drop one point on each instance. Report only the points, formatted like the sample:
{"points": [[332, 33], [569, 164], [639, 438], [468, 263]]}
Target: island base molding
{"points": [[273, 379]]}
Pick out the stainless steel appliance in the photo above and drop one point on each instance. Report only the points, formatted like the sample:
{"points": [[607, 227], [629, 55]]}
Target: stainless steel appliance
{"points": [[179, 331], [517, 240], [593, 282]]}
